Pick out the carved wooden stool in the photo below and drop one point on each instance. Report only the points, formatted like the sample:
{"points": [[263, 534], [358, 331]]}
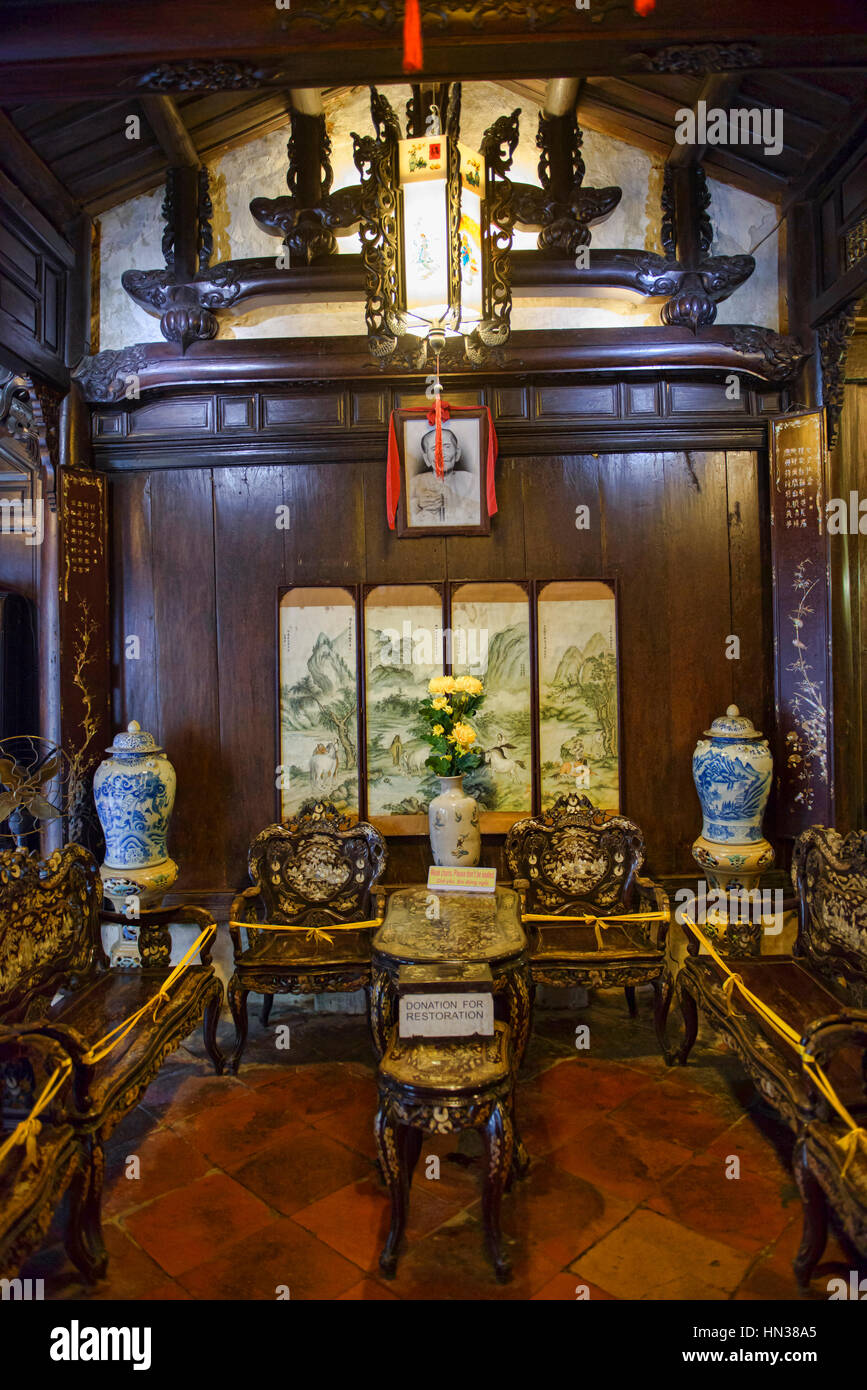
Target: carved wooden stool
{"points": [[441, 1086]]}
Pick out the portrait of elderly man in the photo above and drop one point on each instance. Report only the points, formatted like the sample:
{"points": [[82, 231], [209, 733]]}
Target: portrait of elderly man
{"points": [[453, 499]]}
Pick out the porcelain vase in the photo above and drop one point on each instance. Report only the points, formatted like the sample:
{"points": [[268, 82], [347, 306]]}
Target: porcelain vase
{"points": [[134, 791], [732, 769], [453, 817]]}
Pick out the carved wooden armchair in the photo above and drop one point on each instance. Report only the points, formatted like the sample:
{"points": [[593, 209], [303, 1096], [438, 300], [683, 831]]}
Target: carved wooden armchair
{"points": [[577, 861], [820, 992], [55, 983], [319, 870]]}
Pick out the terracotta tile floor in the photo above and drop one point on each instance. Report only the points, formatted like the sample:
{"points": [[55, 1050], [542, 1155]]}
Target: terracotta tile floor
{"points": [[268, 1180]]}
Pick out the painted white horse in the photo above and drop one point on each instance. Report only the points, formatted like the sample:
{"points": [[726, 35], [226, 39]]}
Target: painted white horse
{"points": [[323, 766], [500, 763]]}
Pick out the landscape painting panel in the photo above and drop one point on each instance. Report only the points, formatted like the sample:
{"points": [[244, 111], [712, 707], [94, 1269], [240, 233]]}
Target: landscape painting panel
{"points": [[403, 646], [578, 696], [318, 699], [490, 627]]}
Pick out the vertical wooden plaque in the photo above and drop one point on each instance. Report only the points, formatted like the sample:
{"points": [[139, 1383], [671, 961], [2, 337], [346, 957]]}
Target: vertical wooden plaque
{"points": [[803, 757], [84, 638]]}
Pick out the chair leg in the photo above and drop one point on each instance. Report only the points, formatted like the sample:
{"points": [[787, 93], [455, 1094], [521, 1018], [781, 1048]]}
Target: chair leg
{"points": [[499, 1140], [815, 1232], [213, 1009], [267, 1004], [663, 989], [413, 1141], [392, 1159], [689, 1013], [520, 1157], [238, 1005], [629, 991], [89, 1257]]}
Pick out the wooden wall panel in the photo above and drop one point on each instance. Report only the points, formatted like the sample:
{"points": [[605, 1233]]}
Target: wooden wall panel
{"points": [[198, 560], [699, 617], [249, 567], [751, 609], [185, 615], [134, 678], [636, 552], [553, 488]]}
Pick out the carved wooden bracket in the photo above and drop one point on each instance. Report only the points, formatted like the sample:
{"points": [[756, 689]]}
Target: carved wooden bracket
{"points": [[834, 337], [185, 293], [309, 218], [696, 281], [561, 210]]}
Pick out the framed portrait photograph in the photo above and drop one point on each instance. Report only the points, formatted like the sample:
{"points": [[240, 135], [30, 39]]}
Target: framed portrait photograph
{"points": [[455, 504]]}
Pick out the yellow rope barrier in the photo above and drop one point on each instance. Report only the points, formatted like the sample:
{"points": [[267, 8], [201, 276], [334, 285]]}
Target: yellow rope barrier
{"points": [[110, 1041], [27, 1130], [599, 923], [314, 934], [849, 1142]]}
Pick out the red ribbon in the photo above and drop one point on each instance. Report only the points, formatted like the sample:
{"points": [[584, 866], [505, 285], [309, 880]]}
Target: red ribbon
{"points": [[412, 44], [444, 411], [439, 464]]}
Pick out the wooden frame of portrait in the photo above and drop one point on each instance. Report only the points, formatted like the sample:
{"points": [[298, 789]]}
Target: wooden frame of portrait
{"points": [[470, 428]]}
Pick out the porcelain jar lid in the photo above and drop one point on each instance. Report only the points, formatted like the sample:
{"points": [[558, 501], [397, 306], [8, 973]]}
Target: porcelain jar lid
{"points": [[135, 743], [733, 725]]}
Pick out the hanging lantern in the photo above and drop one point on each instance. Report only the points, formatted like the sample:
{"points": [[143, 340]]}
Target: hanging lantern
{"points": [[442, 189], [437, 231]]}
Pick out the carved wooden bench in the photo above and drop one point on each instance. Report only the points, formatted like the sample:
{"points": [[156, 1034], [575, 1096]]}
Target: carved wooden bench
{"points": [[575, 861], [55, 983], [820, 992]]}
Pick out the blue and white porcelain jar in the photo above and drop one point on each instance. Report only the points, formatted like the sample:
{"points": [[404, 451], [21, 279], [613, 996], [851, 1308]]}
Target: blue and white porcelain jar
{"points": [[134, 791], [732, 769]]}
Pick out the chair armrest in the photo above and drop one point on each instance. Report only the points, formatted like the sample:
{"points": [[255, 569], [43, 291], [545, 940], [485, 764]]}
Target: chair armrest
{"points": [[822, 1039], [240, 912], [72, 1043], [521, 886], [155, 943], [827, 1035], [652, 897]]}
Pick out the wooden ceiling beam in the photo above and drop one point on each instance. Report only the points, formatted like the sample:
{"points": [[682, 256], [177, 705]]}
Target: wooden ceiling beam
{"points": [[716, 91], [33, 176], [164, 119], [837, 139]]}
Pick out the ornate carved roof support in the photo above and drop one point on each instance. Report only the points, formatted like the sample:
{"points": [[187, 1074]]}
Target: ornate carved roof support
{"points": [[312, 217], [185, 293], [561, 210], [696, 281], [835, 334]]}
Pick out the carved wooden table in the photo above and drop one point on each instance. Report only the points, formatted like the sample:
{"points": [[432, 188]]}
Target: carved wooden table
{"points": [[423, 927]]}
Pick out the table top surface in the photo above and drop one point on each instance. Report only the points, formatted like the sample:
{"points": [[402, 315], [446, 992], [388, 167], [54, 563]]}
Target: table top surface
{"points": [[421, 925]]}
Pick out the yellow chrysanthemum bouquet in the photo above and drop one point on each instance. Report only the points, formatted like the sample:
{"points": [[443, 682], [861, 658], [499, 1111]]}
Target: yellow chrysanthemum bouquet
{"points": [[452, 701]]}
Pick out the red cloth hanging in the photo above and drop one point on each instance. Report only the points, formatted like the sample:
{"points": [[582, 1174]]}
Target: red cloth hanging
{"points": [[412, 43], [439, 463], [644, 7], [392, 469]]}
